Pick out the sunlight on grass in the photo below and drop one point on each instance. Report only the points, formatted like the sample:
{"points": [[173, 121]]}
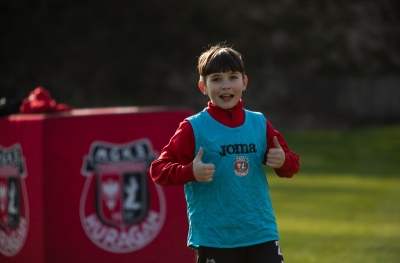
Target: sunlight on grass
{"points": [[344, 204], [338, 218]]}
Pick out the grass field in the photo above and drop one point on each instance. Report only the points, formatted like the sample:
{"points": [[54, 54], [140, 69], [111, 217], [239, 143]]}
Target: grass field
{"points": [[344, 204]]}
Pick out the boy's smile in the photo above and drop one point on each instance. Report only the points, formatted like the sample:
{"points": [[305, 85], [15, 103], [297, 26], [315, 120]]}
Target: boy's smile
{"points": [[224, 88], [226, 97]]}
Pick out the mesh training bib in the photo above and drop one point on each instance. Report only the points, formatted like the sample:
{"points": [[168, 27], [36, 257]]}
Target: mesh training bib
{"points": [[235, 208]]}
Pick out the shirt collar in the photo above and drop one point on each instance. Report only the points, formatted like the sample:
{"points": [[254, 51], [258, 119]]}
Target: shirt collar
{"points": [[230, 117]]}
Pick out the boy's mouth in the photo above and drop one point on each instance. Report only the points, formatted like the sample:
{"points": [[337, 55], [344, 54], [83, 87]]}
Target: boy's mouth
{"points": [[226, 96]]}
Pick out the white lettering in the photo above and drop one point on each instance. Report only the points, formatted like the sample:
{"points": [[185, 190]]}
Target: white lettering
{"points": [[11, 157], [95, 227], [101, 155], [114, 155], [111, 236], [133, 237], [127, 154], [12, 208], [140, 150], [131, 191], [11, 242], [123, 240]]}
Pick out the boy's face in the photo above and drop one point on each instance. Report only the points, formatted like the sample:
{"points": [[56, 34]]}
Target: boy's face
{"points": [[224, 88]]}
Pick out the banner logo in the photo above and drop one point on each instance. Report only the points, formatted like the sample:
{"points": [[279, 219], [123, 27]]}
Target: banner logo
{"points": [[116, 211], [14, 212]]}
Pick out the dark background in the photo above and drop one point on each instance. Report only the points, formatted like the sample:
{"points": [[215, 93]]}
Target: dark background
{"points": [[311, 64]]}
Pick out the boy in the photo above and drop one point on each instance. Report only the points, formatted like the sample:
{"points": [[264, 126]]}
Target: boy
{"points": [[218, 155]]}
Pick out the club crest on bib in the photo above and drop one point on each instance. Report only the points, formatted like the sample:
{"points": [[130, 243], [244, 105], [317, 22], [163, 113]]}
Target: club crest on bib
{"points": [[116, 211], [14, 212], [241, 165]]}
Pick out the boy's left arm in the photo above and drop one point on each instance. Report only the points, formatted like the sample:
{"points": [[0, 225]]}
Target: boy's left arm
{"points": [[291, 165]]}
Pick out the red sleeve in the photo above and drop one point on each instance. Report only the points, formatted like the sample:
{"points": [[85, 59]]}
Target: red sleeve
{"points": [[292, 161], [174, 166]]}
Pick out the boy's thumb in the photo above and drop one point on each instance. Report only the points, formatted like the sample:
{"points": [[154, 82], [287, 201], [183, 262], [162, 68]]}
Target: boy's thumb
{"points": [[200, 154], [276, 143]]}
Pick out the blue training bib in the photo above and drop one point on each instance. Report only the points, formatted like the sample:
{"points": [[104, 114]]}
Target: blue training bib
{"points": [[234, 209]]}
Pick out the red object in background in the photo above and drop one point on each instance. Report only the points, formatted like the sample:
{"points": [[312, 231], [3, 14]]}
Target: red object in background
{"points": [[40, 101], [80, 181]]}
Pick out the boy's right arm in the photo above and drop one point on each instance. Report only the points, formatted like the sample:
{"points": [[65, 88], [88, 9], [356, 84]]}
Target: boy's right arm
{"points": [[175, 164]]}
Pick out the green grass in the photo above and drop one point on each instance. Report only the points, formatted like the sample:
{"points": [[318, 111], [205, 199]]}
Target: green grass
{"points": [[344, 204]]}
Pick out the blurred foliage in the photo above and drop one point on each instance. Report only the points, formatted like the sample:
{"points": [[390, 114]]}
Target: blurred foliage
{"points": [[102, 53]]}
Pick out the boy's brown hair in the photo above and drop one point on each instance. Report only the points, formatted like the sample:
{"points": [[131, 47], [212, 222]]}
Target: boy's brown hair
{"points": [[219, 58]]}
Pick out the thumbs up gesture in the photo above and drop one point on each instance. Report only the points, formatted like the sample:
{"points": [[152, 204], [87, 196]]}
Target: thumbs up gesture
{"points": [[276, 156], [202, 172]]}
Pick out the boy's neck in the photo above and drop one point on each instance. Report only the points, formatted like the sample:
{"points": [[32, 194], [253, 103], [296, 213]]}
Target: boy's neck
{"points": [[238, 105], [229, 117]]}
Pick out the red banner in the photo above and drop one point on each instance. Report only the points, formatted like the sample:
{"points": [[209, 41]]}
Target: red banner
{"points": [[75, 187]]}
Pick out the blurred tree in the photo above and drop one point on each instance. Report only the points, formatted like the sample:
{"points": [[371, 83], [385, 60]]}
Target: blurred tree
{"points": [[100, 53]]}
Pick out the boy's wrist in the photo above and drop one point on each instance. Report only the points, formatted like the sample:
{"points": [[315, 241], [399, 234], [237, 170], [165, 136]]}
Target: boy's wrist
{"points": [[187, 174], [287, 164]]}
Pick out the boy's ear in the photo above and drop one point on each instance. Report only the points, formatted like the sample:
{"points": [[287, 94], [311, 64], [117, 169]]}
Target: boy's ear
{"points": [[202, 87], [245, 81]]}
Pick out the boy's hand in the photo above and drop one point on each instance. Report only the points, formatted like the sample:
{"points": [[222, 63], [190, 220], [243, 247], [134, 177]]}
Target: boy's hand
{"points": [[202, 172], [276, 156]]}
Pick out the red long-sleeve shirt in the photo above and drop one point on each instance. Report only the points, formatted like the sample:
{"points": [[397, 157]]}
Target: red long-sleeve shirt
{"points": [[175, 164]]}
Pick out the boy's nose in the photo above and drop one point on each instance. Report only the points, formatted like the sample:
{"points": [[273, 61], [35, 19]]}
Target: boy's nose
{"points": [[226, 85]]}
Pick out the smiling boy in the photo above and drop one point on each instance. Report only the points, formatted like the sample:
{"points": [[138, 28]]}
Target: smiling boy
{"points": [[218, 155]]}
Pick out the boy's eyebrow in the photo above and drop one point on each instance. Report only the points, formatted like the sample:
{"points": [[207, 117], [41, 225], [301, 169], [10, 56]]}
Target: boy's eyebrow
{"points": [[230, 72]]}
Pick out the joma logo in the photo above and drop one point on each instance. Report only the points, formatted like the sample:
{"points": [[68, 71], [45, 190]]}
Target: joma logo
{"points": [[237, 149]]}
